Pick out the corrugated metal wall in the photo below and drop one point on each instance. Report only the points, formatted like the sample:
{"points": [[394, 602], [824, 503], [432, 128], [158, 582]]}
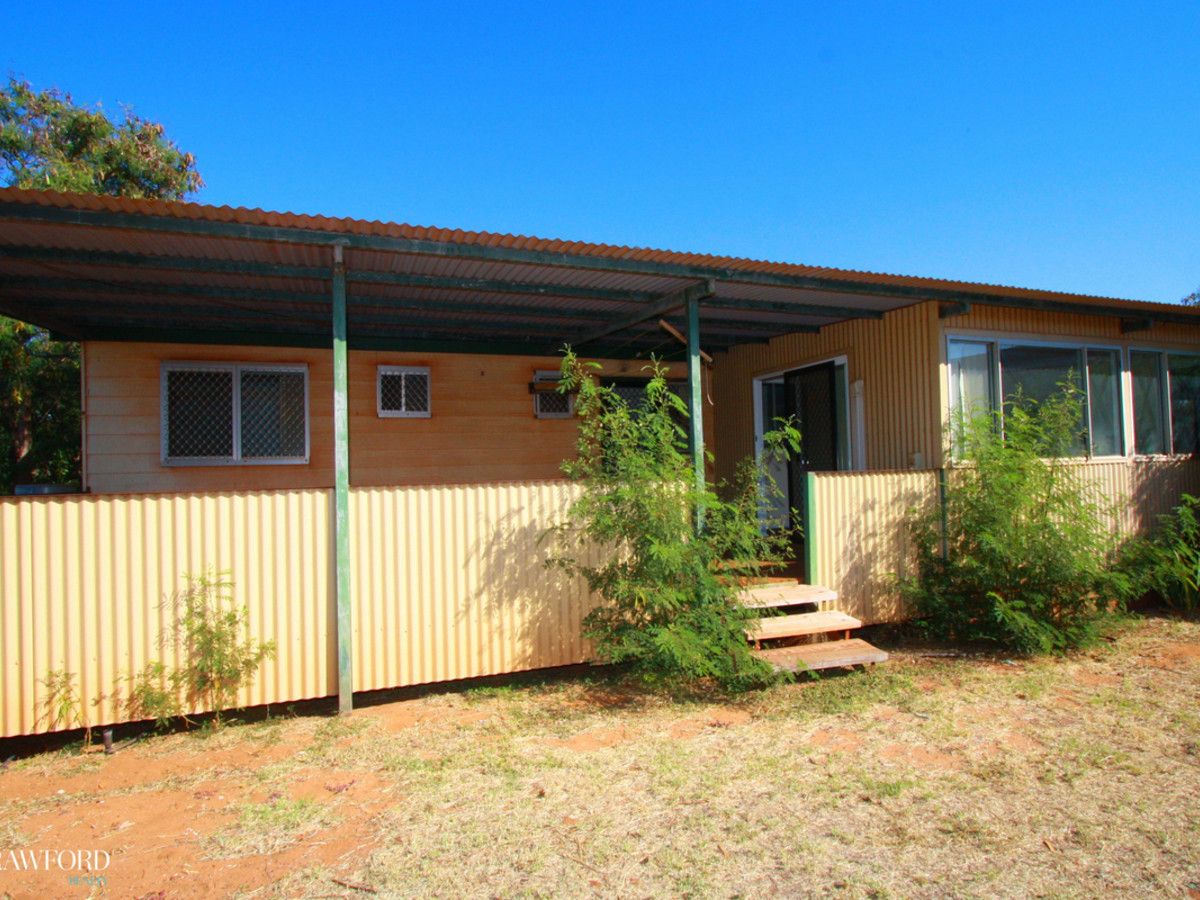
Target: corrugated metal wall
{"points": [[861, 539], [86, 584], [861, 544], [897, 360], [449, 582]]}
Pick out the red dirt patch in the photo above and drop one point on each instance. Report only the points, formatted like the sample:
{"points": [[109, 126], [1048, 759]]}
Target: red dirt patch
{"points": [[156, 838], [715, 718], [921, 758], [1020, 742], [592, 739], [1095, 679], [1171, 656], [409, 714], [133, 767], [836, 739]]}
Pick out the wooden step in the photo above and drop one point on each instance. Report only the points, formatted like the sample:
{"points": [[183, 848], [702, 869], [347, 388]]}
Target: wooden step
{"points": [[776, 594], [801, 624], [829, 655]]}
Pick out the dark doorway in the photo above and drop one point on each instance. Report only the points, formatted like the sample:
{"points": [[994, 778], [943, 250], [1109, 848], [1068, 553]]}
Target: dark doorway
{"points": [[813, 397]]}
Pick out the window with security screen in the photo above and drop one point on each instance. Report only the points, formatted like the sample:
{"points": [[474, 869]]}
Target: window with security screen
{"points": [[402, 392], [234, 413], [549, 403]]}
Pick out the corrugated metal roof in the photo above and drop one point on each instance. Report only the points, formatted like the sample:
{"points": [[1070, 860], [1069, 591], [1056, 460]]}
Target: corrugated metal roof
{"points": [[87, 263]]}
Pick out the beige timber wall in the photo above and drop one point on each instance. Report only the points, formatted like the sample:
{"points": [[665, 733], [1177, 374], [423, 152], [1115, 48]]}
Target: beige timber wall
{"points": [[482, 427]]}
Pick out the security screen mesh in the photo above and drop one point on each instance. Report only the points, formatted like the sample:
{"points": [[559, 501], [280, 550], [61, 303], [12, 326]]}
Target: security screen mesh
{"points": [[199, 414], [551, 404], [272, 414], [404, 392]]}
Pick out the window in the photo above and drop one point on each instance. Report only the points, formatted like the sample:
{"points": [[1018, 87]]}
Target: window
{"points": [[982, 373], [402, 392], [633, 390], [1149, 403], [970, 379], [229, 413], [549, 403], [1166, 402]]}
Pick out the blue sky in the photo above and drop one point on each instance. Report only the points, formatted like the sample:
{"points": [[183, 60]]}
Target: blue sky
{"points": [[1044, 145]]}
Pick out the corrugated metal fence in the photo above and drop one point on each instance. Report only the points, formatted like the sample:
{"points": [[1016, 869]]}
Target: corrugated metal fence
{"points": [[448, 582], [861, 542]]}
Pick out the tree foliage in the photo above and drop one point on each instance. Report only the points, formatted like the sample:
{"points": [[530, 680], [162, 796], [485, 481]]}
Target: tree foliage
{"points": [[39, 407], [1028, 562], [670, 607], [49, 142]]}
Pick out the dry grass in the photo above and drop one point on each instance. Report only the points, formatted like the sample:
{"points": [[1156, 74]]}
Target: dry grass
{"points": [[928, 776]]}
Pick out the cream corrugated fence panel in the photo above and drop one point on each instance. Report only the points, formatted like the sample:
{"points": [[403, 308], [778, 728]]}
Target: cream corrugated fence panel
{"points": [[861, 538], [450, 582], [86, 586]]}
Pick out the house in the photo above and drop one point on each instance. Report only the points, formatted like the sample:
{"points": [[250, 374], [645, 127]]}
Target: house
{"points": [[352, 418]]}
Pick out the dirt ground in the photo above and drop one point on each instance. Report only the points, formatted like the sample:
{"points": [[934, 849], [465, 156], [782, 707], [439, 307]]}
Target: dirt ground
{"points": [[933, 775]]}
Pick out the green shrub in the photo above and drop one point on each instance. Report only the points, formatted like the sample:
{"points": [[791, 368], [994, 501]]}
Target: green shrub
{"points": [[1028, 553], [1167, 563], [670, 607], [220, 656], [63, 709], [154, 694]]}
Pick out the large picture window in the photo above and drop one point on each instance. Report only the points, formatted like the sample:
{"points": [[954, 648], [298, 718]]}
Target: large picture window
{"points": [[985, 372], [234, 413]]}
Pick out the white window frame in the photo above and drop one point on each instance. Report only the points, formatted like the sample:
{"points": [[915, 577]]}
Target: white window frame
{"points": [[235, 369], [1164, 356], [554, 375], [999, 341], [380, 371]]}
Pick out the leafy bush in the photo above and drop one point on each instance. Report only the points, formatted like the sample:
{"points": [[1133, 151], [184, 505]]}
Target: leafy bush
{"points": [[1167, 562], [1028, 553], [670, 605], [154, 694], [63, 709], [220, 657]]}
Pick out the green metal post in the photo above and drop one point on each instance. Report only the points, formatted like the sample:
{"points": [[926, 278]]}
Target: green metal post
{"points": [[942, 506], [341, 483], [695, 401], [810, 527]]}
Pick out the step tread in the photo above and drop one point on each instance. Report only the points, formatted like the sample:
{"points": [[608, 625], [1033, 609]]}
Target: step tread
{"points": [[765, 596], [828, 655], [801, 624]]}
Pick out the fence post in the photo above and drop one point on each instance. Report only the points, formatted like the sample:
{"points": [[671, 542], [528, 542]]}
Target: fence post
{"points": [[810, 527], [341, 485], [942, 503]]}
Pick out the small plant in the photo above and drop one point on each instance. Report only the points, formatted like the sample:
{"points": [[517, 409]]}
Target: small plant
{"points": [[220, 655], [63, 709], [1167, 562], [1028, 558], [154, 694], [670, 605]]}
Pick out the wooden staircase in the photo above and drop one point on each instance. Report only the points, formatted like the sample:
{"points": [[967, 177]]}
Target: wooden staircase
{"points": [[799, 636]]}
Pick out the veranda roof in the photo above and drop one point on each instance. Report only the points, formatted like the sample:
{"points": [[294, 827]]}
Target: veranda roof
{"points": [[105, 268]]}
